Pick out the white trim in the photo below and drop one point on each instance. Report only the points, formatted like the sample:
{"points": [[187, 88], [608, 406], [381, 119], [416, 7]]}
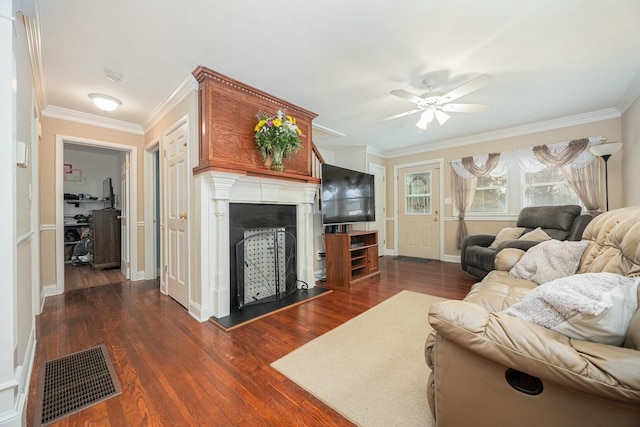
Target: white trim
{"points": [[630, 95], [440, 163], [452, 258], [484, 218], [150, 264], [186, 86], [47, 227], [578, 119], [25, 238], [197, 312], [132, 207], [34, 43], [327, 130], [375, 151], [91, 119], [140, 224], [382, 234]]}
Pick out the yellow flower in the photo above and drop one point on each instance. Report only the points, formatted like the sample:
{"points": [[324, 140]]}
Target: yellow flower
{"points": [[298, 131], [277, 123], [290, 119], [259, 125]]}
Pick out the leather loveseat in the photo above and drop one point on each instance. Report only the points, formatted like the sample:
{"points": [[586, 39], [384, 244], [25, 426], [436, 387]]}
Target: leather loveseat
{"points": [[480, 356], [559, 222]]}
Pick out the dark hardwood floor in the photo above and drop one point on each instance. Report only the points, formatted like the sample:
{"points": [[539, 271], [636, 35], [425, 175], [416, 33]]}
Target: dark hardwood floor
{"points": [[83, 276], [176, 371]]}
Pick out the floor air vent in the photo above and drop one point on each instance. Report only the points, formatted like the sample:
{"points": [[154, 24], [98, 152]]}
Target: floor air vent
{"points": [[74, 382]]}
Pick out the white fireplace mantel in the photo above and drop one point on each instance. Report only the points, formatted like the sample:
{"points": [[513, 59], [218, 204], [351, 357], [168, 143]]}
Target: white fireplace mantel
{"points": [[217, 191]]}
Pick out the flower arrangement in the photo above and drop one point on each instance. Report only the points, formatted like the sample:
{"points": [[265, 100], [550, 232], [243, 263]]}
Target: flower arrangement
{"points": [[278, 136]]}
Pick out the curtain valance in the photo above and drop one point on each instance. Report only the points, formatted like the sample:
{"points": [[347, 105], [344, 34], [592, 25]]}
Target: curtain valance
{"points": [[573, 154]]}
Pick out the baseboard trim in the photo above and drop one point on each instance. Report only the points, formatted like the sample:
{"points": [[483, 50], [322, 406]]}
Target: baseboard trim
{"points": [[452, 258], [197, 312]]}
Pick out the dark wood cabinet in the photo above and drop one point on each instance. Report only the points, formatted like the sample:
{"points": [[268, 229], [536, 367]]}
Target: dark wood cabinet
{"points": [[351, 257], [106, 238]]}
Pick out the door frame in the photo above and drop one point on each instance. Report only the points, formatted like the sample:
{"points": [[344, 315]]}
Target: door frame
{"points": [[382, 234], [132, 209], [151, 214], [396, 216]]}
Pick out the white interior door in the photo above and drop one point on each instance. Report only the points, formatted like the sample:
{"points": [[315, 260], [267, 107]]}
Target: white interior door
{"points": [[176, 197], [418, 211], [380, 224]]}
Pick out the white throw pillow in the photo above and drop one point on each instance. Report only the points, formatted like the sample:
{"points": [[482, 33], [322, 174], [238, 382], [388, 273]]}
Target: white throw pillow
{"points": [[549, 260], [509, 233], [594, 307]]}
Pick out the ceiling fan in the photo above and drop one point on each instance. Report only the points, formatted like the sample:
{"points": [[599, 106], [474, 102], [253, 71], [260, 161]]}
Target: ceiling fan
{"points": [[434, 104]]}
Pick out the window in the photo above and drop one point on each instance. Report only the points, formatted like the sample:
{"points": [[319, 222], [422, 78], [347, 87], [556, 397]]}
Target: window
{"points": [[417, 193], [491, 195], [508, 194], [547, 188]]}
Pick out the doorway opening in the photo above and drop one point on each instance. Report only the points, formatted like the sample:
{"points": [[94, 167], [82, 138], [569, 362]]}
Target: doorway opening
{"points": [[83, 167]]}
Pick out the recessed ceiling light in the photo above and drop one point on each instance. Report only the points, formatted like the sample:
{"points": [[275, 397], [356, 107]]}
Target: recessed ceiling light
{"points": [[105, 102], [112, 76]]}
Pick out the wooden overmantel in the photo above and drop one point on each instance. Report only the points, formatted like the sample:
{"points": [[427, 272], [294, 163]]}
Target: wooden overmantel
{"points": [[227, 110]]}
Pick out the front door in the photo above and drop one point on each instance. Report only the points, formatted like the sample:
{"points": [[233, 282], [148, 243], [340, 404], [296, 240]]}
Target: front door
{"points": [[418, 215], [177, 190]]}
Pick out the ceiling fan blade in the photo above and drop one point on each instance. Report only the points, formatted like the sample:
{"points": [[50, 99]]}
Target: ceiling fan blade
{"points": [[442, 117], [406, 113], [425, 119], [465, 108], [475, 84], [401, 93]]}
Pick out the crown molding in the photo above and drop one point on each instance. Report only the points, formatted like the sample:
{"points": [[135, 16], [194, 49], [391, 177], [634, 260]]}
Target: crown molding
{"points": [[632, 93], [578, 119], [91, 119], [34, 46], [376, 151], [327, 130], [186, 86]]}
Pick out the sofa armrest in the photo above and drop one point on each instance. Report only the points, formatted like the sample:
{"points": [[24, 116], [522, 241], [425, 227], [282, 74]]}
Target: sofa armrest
{"points": [[474, 240], [578, 226], [597, 369]]}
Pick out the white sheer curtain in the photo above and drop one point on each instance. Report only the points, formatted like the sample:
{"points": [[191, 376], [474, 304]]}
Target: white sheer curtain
{"points": [[573, 156]]}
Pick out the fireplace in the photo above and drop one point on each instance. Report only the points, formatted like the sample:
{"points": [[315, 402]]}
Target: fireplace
{"points": [[262, 253], [226, 197]]}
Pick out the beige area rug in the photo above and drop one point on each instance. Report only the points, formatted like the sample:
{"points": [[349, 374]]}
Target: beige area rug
{"points": [[371, 369]]}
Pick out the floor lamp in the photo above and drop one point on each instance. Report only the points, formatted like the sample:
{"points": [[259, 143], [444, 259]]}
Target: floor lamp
{"points": [[605, 151]]}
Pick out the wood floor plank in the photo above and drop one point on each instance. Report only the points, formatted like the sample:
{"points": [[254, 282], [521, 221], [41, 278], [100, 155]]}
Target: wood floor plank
{"points": [[177, 371]]}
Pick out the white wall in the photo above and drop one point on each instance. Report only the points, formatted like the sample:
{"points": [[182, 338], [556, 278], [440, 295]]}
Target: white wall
{"points": [[96, 165]]}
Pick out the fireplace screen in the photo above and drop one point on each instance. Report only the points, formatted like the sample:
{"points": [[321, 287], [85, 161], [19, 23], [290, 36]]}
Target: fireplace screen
{"points": [[265, 265]]}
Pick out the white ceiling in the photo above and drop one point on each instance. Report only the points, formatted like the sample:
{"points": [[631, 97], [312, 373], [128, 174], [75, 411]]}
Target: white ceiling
{"points": [[340, 59]]}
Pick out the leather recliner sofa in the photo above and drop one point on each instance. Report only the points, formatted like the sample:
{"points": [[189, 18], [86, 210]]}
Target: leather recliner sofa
{"points": [[479, 354], [559, 222]]}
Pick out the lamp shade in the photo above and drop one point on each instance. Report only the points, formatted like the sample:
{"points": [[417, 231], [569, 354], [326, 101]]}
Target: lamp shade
{"points": [[105, 102], [605, 149]]}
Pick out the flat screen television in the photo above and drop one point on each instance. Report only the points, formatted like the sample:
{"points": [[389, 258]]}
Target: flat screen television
{"points": [[107, 192], [348, 196]]}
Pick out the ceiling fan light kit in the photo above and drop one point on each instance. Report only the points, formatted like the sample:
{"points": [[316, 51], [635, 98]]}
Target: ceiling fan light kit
{"points": [[433, 104]]}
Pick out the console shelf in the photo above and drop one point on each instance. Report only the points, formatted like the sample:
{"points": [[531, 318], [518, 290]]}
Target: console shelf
{"points": [[351, 257]]}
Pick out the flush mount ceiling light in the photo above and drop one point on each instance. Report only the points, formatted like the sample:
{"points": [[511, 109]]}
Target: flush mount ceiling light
{"points": [[105, 102]]}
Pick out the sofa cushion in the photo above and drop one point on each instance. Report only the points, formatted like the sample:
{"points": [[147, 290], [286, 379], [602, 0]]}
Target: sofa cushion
{"points": [[615, 243], [498, 291], [537, 235], [505, 234], [594, 307], [549, 260]]}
